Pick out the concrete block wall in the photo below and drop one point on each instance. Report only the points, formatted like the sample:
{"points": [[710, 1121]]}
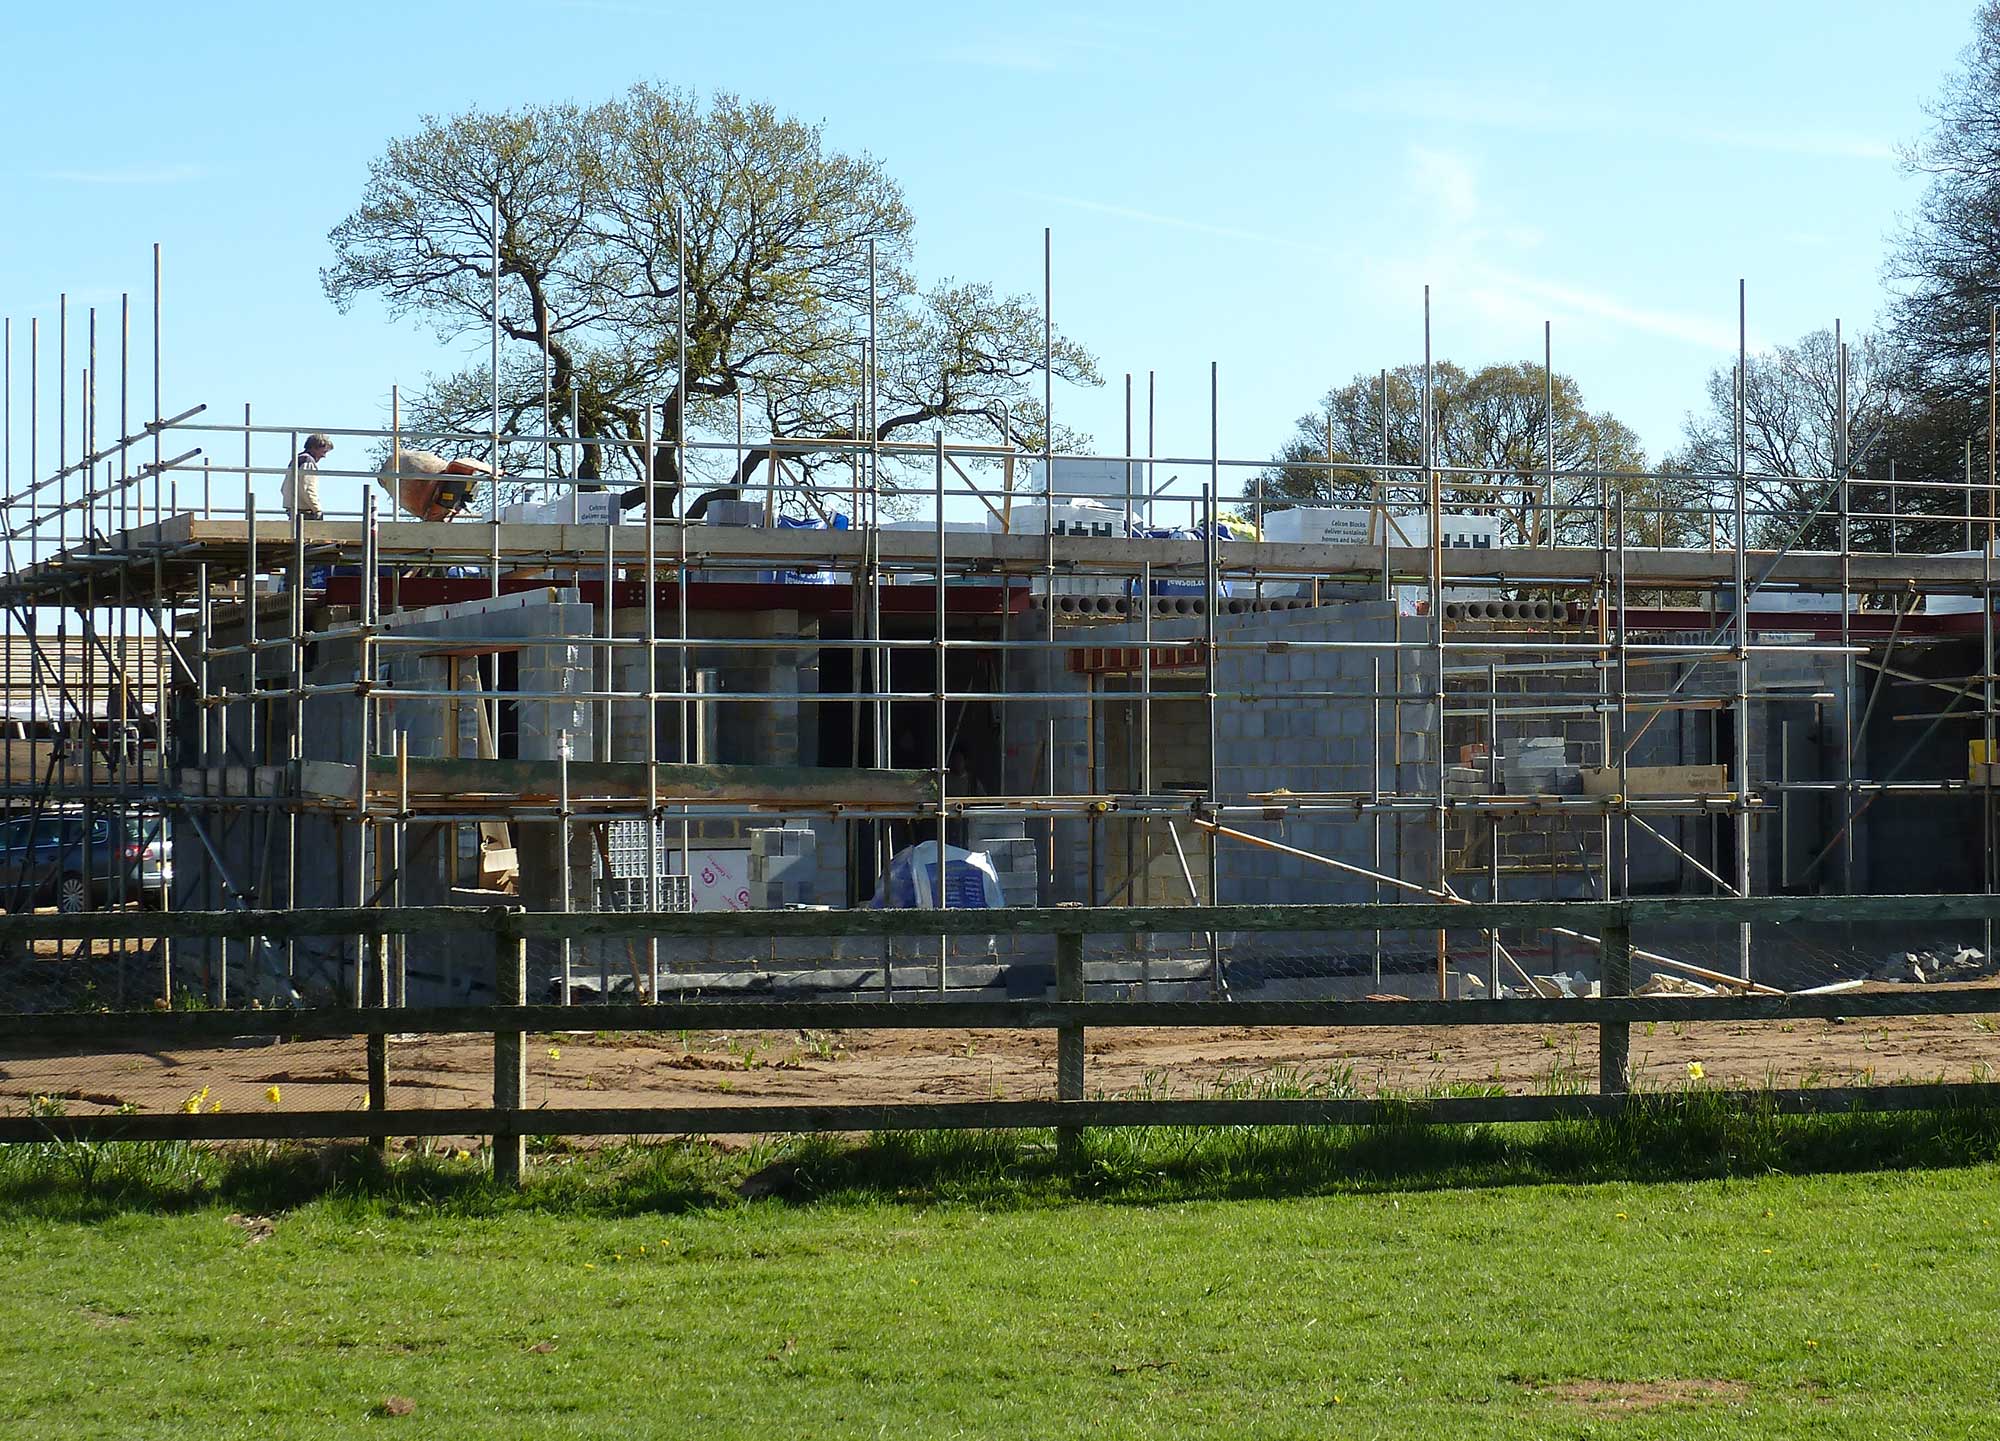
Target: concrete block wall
{"points": [[1309, 728], [1291, 718], [1048, 744]]}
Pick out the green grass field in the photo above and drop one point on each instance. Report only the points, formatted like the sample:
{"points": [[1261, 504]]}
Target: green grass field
{"points": [[1631, 1280]]}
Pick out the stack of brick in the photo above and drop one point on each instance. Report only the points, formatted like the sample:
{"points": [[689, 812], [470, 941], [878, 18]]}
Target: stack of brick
{"points": [[783, 863]]}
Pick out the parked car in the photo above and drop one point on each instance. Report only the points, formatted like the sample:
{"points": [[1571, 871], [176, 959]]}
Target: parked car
{"points": [[43, 861]]}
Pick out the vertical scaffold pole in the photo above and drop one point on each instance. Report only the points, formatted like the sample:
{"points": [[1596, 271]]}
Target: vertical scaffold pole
{"points": [[1549, 424], [938, 692], [651, 593], [1434, 496], [1740, 574], [1211, 557], [493, 489], [1986, 602], [1844, 499]]}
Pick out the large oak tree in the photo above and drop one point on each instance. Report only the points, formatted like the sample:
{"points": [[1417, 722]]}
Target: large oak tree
{"points": [[598, 205]]}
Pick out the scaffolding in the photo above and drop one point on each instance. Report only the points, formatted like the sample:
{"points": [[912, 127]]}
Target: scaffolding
{"points": [[441, 697]]}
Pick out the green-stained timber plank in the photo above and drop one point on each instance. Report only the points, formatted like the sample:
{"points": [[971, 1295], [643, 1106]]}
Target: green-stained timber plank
{"points": [[744, 1119]]}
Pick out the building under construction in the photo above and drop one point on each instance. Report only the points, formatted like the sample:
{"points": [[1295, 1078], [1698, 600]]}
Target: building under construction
{"points": [[1074, 685]]}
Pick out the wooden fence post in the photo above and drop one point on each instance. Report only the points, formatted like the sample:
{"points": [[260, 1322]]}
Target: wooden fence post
{"points": [[1614, 1038], [1069, 1039], [510, 1052], [378, 1043]]}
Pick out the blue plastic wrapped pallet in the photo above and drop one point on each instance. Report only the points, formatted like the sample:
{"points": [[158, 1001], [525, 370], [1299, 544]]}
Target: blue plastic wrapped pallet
{"points": [[805, 577], [971, 883], [1179, 584]]}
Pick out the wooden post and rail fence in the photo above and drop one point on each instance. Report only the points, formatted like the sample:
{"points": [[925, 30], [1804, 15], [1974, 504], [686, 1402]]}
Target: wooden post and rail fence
{"points": [[511, 1018]]}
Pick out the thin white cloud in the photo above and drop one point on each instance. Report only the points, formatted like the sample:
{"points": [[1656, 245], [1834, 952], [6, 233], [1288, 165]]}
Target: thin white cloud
{"points": [[1473, 259], [176, 174], [1710, 332], [1542, 114], [1066, 42], [1832, 144]]}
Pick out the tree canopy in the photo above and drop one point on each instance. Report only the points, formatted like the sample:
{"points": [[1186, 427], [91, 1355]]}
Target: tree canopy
{"points": [[1791, 437], [1946, 263], [1944, 273], [1491, 433], [597, 208]]}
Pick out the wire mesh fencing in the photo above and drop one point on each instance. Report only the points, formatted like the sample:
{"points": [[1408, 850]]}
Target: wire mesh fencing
{"points": [[1212, 1013]]}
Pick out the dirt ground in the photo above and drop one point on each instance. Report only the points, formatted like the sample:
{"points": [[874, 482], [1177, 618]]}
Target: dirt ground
{"points": [[588, 1069]]}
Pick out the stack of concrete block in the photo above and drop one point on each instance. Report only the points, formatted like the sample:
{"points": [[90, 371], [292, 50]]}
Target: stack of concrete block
{"points": [[1013, 860], [1540, 766], [1465, 780], [734, 512], [783, 863]]}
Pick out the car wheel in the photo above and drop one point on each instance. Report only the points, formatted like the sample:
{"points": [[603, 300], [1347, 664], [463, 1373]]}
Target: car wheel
{"points": [[72, 895]]}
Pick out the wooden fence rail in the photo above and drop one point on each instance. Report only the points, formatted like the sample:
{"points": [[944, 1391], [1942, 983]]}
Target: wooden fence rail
{"points": [[509, 1121]]}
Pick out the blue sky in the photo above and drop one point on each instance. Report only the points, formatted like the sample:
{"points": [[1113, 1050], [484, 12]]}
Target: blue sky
{"points": [[1264, 186]]}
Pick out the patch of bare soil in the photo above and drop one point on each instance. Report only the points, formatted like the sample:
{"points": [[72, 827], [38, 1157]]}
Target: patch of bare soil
{"points": [[256, 1229], [598, 1069], [1617, 1397]]}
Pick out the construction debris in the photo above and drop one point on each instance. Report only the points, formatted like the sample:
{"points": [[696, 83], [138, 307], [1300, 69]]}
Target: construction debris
{"points": [[1665, 985], [1931, 967]]}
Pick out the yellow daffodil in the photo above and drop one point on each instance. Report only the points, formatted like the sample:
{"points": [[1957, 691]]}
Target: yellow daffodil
{"points": [[1695, 1071], [555, 1053], [273, 1095]]}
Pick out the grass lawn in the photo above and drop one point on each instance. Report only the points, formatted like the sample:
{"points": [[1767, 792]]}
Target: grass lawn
{"points": [[1562, 1282]]}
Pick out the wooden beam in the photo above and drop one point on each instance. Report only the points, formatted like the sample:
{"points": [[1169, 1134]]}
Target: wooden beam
{"points": [[1022, 920], [166, 1031], [452, 780], [190, 540], [754, 1118]]}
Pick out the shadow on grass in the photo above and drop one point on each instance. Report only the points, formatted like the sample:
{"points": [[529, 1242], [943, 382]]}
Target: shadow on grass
{"points": [[1687, 1137], [84, 1181], [1687, 1141]]}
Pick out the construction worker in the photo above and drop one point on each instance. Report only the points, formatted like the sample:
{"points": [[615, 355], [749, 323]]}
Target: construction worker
{"points": [[301, 493]]}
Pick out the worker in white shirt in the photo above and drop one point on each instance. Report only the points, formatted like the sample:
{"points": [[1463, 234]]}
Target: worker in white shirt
{"points": [[301, 493]]}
